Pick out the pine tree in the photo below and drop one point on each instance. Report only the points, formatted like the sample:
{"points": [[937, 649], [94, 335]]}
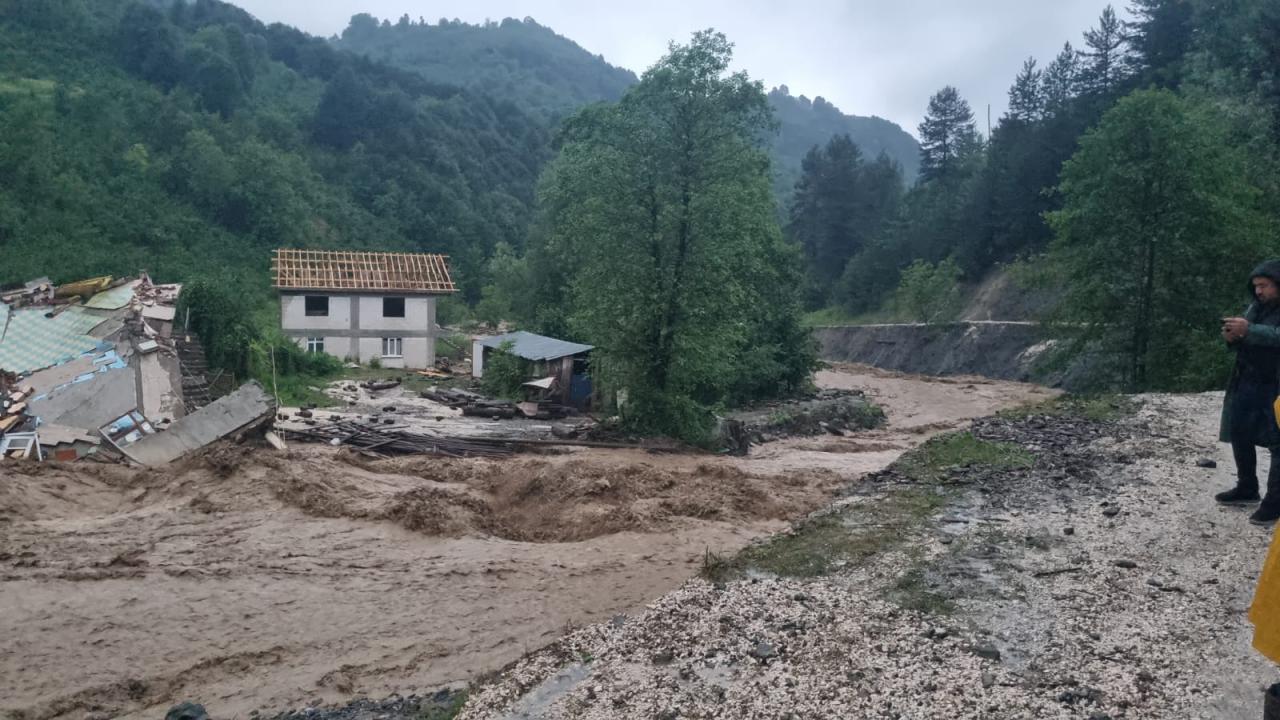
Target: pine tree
{"points": [[1159, 38], [947, 135], [1026, 97], [1106, 59], [1061, 80]]}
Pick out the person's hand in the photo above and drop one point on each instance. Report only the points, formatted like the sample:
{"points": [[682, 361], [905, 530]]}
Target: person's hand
{"points": [[1234, 329]]}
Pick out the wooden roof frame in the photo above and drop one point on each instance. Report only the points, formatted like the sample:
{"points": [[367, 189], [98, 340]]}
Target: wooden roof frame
{"points": [[343, 271]]}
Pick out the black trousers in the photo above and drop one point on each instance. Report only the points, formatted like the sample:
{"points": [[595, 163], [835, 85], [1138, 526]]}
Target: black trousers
{"points": [[1253, 424], [1247, 469]]}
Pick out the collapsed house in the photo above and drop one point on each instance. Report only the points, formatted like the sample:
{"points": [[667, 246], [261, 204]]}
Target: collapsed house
{"points": [[557, 369], [93, 366]]}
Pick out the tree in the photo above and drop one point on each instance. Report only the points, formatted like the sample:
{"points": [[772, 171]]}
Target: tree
{"points": [[928, 292], [660, 206], [1105, 60], [1159, 37], [1061, 80], [823, 217], [1026, 97], [947, 135], [1157, 229]]}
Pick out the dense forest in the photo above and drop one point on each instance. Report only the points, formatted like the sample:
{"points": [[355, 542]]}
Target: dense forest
{"points": [[1135, 175], [551, 76], [192, 139]]}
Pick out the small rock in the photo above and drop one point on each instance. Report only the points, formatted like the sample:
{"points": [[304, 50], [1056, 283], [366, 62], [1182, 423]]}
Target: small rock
{"points": [[1206, 463], [1126, 564], [990, 652], [663, 657], [187, 711], [1111, 511], [389, 408], [763, 651], [1068, 531], [1145, 676], [304, 413], [988, 679]]}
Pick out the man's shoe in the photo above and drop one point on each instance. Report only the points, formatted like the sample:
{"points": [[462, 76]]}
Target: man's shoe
{"points": [[1266, 514], [1236, 496], [1271, 703]]}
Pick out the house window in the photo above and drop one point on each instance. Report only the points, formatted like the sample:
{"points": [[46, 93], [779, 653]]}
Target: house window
{"points": [[315, 345], [392, 347], [393, 307], [317, 306]]}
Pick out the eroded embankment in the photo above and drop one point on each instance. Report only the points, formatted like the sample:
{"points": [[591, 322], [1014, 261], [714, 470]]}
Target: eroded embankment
{"points": [[1001, 350]]}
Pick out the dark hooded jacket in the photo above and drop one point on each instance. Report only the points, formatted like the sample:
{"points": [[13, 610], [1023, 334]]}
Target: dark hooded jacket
{"points": [[1257, 358]]}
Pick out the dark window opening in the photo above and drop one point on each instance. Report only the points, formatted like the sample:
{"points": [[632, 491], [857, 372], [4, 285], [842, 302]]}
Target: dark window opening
{"points": [[317, 306], [392, 307]]}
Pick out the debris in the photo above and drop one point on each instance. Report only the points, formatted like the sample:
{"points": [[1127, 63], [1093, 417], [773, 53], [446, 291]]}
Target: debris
{"points": [[391, 442], [275, 441], [243, 410], [1206, 463], [19, 446], [376, 385]]}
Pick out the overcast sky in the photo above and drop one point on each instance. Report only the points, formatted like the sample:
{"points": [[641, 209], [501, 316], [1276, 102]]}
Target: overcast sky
{"points": [[868, 57]]}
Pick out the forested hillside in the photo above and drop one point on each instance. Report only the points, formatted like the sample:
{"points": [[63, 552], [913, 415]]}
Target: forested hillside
{"points": [[804, 123], [551, 76], [516, 60], [1136, 174], [193, 139]]}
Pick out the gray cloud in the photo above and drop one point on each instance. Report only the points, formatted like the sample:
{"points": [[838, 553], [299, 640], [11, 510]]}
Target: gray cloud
{"points": [[867, 57]]}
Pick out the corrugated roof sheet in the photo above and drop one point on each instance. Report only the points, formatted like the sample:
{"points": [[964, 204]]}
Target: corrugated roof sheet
{"points": [[34, 341], [335, 271], [115, 298], [531, 346]]}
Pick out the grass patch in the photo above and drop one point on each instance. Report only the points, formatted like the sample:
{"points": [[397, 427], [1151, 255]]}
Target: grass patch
{"points": [[930, 462], [825, 543], [912, 591], [445, 712], [1108, 407]]}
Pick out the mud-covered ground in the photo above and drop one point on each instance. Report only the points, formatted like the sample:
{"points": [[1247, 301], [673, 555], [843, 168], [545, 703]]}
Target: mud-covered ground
{"points": [[251, 580], [1081, 570]]}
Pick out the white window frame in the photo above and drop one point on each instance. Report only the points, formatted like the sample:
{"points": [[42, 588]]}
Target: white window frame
{"points": [[392, 347], [315, 344]]}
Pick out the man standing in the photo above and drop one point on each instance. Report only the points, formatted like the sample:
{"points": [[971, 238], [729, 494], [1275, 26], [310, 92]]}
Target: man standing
{"points": [[1248, 417]]}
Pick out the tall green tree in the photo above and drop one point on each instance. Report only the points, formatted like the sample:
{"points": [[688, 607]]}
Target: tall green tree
{"points": [[1105, 59], [1160, 36], [947, 135], [662, 204], [1158, 226]]}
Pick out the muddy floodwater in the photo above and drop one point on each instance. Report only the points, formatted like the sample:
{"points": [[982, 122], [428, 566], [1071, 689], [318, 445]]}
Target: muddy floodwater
{"points": [[259, 580]]}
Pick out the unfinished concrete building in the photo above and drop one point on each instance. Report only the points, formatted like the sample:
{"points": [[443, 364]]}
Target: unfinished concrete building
{"points": [[362, 306]]}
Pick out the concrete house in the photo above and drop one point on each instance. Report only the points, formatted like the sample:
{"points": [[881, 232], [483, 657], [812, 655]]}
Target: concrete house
{"points": [[362, 306]]}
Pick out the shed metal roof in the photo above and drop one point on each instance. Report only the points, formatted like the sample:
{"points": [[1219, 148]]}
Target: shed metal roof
{"points": [[531, 346]]}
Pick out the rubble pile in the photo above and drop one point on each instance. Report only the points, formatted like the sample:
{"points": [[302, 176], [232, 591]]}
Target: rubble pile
{"points": [[92, 366]]}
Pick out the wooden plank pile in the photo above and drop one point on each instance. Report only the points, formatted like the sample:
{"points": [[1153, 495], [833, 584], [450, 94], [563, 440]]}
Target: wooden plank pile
{"points": [[386, 441], [475, 405], [13, 404]]}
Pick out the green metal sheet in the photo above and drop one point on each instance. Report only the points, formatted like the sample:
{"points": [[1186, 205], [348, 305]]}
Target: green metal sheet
{"points": [[113, 299], [33, 341]]}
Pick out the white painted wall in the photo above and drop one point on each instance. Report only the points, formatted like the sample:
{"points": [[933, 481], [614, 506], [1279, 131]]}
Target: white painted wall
{"points": [[340, 338], [419, 314], [293, 313]]}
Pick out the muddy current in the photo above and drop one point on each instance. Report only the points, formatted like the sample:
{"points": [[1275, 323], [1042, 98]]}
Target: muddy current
{"points": [[259, 580]]}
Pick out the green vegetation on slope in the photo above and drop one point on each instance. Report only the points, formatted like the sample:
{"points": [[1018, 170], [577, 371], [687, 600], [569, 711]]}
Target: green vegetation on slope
{"points": [[193, 140]]}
